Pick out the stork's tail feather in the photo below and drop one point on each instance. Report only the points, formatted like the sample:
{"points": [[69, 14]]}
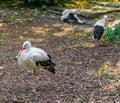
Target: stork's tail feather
{"points": [[51, 69], [52, 64], [48, 65]]}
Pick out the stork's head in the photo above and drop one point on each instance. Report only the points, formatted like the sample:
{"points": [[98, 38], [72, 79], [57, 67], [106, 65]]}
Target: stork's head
{"points": [[26, 45], [105, 18]]}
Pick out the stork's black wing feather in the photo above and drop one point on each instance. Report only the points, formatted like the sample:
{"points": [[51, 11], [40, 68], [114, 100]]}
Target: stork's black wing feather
{"points": [[98, 32]]}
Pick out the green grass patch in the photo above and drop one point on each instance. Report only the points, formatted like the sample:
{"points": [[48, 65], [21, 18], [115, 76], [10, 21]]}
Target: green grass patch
{"points": [[107, 75], [112, 34], [69, 61], [2, 34], [100, 71]]}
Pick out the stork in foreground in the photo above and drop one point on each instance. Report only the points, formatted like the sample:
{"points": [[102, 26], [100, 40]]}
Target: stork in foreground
{"points": [[99, 28], [34, 58]]}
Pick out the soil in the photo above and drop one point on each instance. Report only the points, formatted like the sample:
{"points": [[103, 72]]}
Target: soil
{"points": [[77, 57]]}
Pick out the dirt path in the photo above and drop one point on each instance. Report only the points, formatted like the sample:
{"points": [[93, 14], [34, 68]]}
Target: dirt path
{"points": [[77, 57]]}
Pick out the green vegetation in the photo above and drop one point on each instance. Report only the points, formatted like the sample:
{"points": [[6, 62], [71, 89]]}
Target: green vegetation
{"points": [[2, 34], [68, 3], [69, 61], [108, 75], [99, 71], [44, 4], [113, 34]]}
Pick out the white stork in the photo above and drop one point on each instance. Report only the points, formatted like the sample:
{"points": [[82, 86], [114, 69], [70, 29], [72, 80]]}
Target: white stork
{"points": [[70, 16], [34, 59], [99, 28]]}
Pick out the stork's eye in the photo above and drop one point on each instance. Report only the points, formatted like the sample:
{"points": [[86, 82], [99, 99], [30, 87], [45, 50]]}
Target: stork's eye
{"points": [[25, 45]]}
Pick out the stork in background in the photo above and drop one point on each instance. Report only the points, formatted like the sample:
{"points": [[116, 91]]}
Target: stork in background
{"points": [[69, 16], [99, 28], [34, 58]]}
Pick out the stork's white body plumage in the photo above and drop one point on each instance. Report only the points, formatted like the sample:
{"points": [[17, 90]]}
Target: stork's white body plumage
{"points": [[31, 56], [34, 59], [69, 11]]}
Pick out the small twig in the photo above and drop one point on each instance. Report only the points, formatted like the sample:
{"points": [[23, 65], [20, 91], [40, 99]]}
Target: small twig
{"points": [[55, 12], [105, 4]]}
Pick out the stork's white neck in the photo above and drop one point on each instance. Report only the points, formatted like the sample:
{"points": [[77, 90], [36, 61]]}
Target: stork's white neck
{"points": [[28, 49], [101, 22]]}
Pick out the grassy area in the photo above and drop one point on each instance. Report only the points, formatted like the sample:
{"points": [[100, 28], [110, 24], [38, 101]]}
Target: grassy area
{"points": [[10, 3], [45, 3], [112, 34], [85, 3]]}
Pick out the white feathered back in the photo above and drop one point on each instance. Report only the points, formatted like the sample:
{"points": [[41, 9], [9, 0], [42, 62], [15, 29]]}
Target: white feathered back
{"points": [[69, 11]]}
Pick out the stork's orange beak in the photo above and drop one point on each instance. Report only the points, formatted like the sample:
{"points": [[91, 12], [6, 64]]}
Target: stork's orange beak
{"points": [[20, 52]]}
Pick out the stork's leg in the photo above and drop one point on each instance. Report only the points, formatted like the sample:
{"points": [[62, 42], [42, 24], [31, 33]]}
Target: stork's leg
{"points": [[34, 75], [71, 27]]}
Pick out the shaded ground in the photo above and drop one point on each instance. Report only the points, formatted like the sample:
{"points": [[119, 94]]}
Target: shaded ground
{"points": [[78, 60]]}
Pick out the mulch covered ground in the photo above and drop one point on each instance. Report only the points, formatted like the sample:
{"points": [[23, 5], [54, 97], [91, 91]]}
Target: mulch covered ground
{"points": [[78, 60]]}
